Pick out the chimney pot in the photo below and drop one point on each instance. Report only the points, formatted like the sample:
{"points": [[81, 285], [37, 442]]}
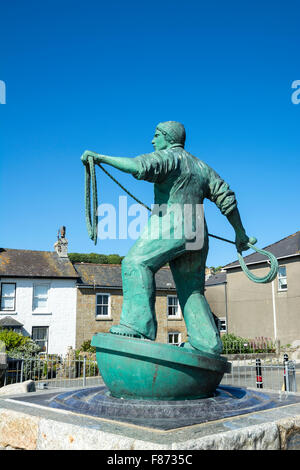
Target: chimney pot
{"points": [[61, 246]]}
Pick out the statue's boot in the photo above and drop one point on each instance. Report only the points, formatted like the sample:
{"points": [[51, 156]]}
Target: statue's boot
{"points": [[203, 334], [188, 347], [125, 331]]}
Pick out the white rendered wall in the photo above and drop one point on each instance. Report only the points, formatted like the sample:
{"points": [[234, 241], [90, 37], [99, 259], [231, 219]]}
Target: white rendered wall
{"points": [[60, 315]]}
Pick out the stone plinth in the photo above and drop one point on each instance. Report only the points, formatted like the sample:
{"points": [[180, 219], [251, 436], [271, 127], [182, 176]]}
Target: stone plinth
{"points": [[27, 422]]}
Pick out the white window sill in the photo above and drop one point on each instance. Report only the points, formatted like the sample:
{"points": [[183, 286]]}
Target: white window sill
{"points": [[8, 312], [282, 290], [103, 318], [41, 313], [173, 317]]}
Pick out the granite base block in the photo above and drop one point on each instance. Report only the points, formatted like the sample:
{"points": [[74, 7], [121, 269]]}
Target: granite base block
{"points": [[27, 422]]}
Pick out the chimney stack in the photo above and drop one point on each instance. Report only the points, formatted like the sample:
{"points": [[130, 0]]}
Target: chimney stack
{"points": [[61, 246]]}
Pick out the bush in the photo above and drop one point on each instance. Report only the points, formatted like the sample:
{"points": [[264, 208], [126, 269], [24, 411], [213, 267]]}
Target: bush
{"points": [[86, 347], [50, 369], [88, 352], [233, 344], [27, 350], [91, 369], [13, 340], [262, 345], [95, 258]]}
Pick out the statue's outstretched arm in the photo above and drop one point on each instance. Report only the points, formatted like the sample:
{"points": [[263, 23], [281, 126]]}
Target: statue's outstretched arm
{"points": [[241, 238], [220, 193], [128, 165]]}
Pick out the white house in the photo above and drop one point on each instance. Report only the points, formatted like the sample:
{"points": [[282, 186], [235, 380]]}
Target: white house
{"points": [[38, 290]]}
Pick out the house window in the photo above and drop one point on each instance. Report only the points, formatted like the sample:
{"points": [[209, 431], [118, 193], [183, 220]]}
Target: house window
{"points": [[40, 296], [282, 281], [174, 338], [8, 296], [103, 305], [40, 337], [222, 325], [173, 307]]}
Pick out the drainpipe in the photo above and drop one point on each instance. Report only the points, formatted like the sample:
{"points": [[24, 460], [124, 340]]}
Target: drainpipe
{"points": [[274, 311], [274, 308], [226, 308]]}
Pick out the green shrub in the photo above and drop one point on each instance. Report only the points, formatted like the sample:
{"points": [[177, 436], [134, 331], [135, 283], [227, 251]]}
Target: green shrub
{"points": [[233, 344], [28, 351], [95, 258], [91, 367], [86, 347], [13, 340], [49, 369]]}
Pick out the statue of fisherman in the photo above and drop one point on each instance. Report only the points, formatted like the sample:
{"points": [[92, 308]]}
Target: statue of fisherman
{"points": [[180, 179]]}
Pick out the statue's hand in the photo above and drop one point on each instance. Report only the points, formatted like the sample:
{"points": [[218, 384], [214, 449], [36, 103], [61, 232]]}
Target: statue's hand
{"points": [[242, 240], [88, 153]]}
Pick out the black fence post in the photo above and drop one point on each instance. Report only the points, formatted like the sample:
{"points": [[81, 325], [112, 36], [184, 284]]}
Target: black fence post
{"points": [[259, 379], [291, 372], [285, 372]]}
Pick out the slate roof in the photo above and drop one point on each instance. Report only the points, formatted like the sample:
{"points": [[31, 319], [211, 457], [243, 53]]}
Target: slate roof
{"points": [[215, 279], [289, 246], [29, 263], [9, 321], [109, 275]]}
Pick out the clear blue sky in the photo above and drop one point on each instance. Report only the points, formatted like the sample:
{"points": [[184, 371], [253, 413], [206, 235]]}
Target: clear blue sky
{"points": [[100, 75]]}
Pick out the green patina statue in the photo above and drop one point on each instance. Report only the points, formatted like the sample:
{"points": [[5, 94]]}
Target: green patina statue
{"points": [[180, 180]]}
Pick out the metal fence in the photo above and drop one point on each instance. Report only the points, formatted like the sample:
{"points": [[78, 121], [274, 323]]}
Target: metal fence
{"points": [[52, 371], [269, 373], [259, 363], [254, 365]]}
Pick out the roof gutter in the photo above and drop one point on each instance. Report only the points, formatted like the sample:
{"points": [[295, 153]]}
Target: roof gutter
{"points": [[92, 286], [95, 286], [27, 276]]}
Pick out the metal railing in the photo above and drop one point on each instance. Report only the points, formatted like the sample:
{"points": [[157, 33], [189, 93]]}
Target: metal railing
{"points": [[266, 373], [254, 365], [52, 371], [257, 364]]}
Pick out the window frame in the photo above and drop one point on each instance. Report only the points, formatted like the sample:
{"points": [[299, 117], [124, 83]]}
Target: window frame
{"points": [[40, 310], [222, 319], [99, 316], [46, 327], [178, 315], [179, 337], [282, 277], [15, 298]]}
